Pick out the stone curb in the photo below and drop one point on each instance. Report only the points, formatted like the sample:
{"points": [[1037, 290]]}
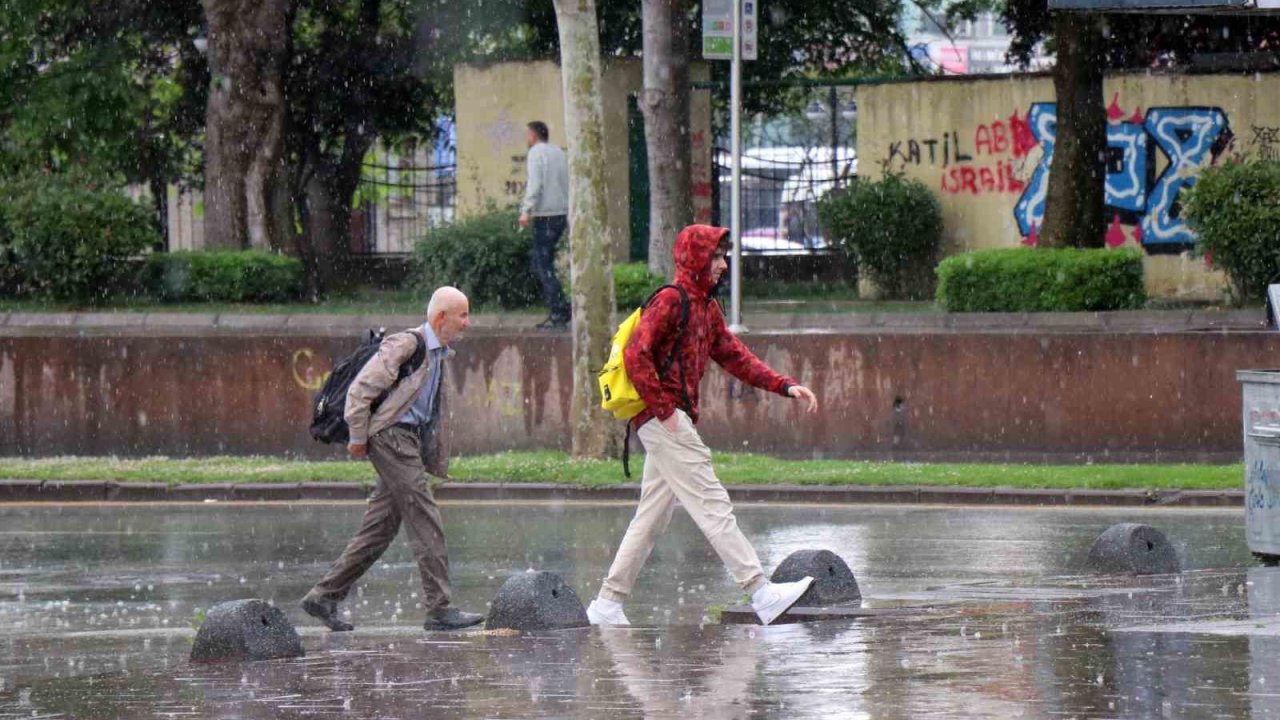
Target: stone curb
{"points": [[65, 491], [313, 324]]}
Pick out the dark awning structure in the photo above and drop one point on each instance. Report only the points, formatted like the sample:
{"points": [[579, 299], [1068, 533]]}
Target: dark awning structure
{"points": [[1169, 6]]}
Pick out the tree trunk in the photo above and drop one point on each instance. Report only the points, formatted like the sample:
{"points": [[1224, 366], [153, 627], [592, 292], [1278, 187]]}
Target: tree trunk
{"points": [[325, 211], [590, 249], [248, 49], [665, 104], [1074, 212]]}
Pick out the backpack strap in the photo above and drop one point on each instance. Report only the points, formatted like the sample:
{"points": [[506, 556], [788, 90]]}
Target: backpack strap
{"points": [[407, 368], [666, 367], [684, 325], [415, 360]]}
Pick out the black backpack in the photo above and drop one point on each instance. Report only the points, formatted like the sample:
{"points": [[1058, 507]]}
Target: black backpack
{"points": [[328, 424]]}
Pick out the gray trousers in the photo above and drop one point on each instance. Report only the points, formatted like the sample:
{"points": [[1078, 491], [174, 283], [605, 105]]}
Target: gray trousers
{"points": [[402, 494]]}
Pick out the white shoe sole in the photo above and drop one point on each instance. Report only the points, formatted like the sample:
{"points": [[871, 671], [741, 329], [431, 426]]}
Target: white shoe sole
{"points": [[768, 615]]}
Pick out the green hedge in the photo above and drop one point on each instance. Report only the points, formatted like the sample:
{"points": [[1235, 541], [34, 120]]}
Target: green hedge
{"points": [[224, 276], [1041, 280], [486, 256], [1234, 209], [891, 228], [632, 285], [70, 237]]}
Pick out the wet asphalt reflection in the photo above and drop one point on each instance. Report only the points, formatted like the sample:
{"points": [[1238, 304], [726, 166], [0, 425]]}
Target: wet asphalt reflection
{"points": [[97, 606]]}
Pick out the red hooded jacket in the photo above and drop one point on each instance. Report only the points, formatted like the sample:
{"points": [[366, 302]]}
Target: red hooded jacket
{"points": [[705, 338]]}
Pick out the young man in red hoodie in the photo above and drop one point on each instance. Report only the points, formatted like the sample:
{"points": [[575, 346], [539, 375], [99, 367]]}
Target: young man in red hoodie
{"points": [[678, 464]]}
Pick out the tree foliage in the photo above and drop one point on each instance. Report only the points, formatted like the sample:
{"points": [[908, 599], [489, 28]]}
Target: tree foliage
{"points": [[69, 236], [114, 85], [1235, 211]]}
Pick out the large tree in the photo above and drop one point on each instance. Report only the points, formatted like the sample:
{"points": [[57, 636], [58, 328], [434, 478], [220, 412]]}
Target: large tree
{"points": [[248, 48], [356, 75], [590, 253], [115, 87], [1075, 213], [665, 103]]}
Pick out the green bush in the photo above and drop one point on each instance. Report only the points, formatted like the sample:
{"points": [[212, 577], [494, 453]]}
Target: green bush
{"points": [[1235, 211], [69, 237], [1041, 280], [891, 228], [632, 285], [486, 256], [224, 276]]}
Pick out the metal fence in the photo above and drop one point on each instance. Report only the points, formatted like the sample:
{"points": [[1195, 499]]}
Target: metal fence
{"points": [[789, 162], [780, 191], [398, 203]]}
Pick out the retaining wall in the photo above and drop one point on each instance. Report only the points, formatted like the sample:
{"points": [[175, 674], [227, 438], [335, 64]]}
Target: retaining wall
{"points": [[888, 392]]}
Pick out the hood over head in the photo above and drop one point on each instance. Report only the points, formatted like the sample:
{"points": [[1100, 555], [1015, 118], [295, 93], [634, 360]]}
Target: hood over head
{"points": [[694, 247]]}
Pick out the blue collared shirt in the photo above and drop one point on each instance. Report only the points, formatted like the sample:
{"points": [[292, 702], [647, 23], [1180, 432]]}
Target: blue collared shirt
{"points": [[420, 412]]}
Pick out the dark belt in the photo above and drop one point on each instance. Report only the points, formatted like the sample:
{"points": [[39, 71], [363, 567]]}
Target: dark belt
{"points": [[411, 427]]}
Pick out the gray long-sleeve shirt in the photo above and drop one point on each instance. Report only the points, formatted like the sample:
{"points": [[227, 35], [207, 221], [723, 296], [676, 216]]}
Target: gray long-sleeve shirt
{"points": [[547, 191]]}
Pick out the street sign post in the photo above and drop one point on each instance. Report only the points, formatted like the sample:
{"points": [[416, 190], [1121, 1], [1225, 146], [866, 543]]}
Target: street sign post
{"points": [[732, 23]]}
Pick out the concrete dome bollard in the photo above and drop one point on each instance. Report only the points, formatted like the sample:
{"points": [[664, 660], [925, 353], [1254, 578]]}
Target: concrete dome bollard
{"points": [[833, 581], [246, 630], [1133, 549], [536, 601]]}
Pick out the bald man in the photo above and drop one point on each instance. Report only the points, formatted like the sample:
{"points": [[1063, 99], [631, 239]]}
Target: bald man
{"points": [[403, 438]]}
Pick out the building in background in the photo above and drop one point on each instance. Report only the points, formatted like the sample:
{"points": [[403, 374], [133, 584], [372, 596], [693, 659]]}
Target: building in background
{"points": [[969, 47]]}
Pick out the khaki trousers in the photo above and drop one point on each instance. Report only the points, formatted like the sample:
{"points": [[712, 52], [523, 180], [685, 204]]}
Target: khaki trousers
{"points": [[678, 467], [402, 494]]}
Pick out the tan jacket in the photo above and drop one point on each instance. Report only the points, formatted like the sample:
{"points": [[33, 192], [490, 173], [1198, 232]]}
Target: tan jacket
{"points": [[379, 374]]}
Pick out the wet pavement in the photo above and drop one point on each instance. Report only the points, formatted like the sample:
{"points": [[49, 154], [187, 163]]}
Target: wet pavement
{"points": [[97, 605]]}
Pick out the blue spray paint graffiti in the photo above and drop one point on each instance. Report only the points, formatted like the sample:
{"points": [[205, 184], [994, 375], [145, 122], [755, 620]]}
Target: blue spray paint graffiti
{"points": [[1029, 212], [1190, 138], [1127, 167]]}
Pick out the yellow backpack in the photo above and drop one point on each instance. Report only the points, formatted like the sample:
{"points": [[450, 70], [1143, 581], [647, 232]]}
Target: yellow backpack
{"points": [[618, 394]]}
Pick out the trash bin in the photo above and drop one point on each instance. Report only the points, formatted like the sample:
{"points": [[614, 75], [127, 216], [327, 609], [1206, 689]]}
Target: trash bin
{"points": [[1261, 411]]}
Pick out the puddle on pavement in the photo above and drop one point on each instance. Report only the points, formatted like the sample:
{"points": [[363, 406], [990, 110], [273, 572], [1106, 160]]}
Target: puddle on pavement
{"points": [[97, 606]]}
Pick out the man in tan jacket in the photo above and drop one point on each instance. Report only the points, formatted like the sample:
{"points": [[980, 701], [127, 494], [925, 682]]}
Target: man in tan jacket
{"points": [[403, 437]]}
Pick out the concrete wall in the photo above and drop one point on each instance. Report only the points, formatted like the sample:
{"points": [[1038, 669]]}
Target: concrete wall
{"points": [[980, 143], [920, 395], [494, 103]]}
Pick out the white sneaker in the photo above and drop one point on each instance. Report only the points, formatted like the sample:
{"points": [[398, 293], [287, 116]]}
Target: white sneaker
{"points": [[606, 612], [774, 599]]}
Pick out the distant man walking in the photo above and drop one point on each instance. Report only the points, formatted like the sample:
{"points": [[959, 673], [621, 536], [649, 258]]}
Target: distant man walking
{"points": [[546, 207], [404, 438], [678, 464]]}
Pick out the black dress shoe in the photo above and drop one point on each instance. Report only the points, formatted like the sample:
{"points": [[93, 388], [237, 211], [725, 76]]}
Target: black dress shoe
{"points": [[326, 611], [451, 619]]}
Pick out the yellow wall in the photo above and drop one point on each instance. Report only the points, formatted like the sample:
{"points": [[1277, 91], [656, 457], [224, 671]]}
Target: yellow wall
{"points": [[971, 141], [494, 102]]}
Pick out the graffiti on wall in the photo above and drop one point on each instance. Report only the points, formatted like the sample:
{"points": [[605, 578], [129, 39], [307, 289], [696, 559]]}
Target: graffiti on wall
{"points": [[1187, 138], [1151, 158]]}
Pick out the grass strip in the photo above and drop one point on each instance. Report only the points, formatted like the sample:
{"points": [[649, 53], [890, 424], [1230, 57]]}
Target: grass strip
{"points": [[548, 466]]}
